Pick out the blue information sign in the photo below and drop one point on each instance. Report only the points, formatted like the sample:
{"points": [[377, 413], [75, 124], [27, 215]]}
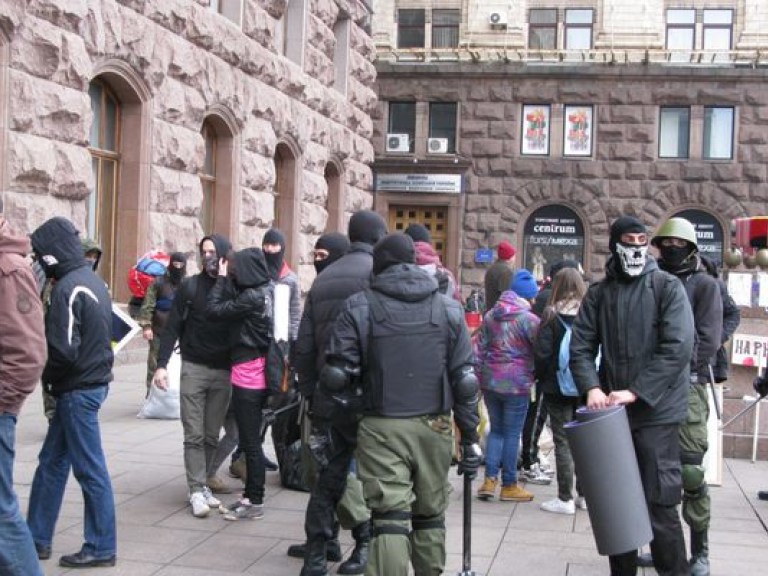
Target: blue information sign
{"points": [[483, 255]]}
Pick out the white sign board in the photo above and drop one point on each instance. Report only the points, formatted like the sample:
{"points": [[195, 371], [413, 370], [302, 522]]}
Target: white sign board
{"points": [[443, 183], [749, 350], [740, 288], [713, 459]]}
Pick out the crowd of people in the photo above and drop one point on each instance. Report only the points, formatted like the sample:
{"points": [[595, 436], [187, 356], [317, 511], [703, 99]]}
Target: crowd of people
{"points": [[387, 376]]}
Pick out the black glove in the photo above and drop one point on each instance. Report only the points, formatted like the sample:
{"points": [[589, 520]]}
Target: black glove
{"points": [[760, 384], [471, 455]]}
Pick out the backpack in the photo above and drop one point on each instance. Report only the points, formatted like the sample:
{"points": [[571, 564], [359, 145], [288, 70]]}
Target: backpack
{"points": [[153, 264], [564, 376]]}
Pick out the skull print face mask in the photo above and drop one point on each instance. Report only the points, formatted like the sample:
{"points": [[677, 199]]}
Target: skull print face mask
{"points": [[632, 258]]}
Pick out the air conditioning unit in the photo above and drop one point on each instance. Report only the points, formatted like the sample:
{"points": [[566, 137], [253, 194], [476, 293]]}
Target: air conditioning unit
{"points": [[398, 143], [497, 19], [437, 145]]}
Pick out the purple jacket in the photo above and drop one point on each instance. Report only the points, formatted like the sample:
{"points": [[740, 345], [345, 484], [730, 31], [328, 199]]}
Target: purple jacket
{"points": [[503, 346]]}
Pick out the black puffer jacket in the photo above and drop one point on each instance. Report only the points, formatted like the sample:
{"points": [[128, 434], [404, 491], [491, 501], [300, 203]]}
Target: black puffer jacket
{"points": [[350, 274], [546, 350], [646, 345], [408, 290], [249, 312], [78, 324]]}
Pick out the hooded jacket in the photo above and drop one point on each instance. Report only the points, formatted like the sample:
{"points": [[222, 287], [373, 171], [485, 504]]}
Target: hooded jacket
{"points": [[78, 324], [404, 289], [428, 259], [497, 280], [503, 346], [22, 337], [249, 311], [202, 340], [645, 344], [547, 349]]}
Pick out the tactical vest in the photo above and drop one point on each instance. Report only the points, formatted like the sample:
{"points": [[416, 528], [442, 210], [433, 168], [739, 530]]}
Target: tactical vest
{"points": [[407, 355]]}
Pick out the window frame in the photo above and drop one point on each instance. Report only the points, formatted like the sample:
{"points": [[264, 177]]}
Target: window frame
{"points": [[443, 133], [390, 116], [706, 128], [208, 179], [446, 27], [533, 26], [679, 26], [707, 27], [688, 144], [578, 26], [401, 27]]}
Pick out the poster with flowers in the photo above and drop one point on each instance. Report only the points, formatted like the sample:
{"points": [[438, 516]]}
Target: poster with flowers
{"points": [[535, 130], [578, 131]]}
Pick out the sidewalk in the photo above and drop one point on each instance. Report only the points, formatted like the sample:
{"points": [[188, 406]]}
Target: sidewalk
{"points": [[157, 535]]}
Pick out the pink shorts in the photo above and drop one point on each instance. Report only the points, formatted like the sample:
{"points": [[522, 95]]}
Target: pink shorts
{"points": [[249, 374]]}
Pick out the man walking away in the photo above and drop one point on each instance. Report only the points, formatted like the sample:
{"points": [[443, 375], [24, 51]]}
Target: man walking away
{"points": [[22, 357], [413, 349], [499, 275], [78, 329]]}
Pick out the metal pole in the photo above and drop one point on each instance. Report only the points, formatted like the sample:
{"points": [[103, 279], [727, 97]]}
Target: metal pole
{"points": [[714, 393], [741, 413], [466, 564]]}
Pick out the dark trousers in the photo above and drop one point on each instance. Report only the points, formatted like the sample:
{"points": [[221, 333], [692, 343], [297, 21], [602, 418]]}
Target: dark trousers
{"points": [[658, 457], [320, 519], [534, 424], [247, 404]]}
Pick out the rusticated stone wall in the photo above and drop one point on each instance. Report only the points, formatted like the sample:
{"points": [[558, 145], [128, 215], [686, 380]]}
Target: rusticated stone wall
{"points": [[174, 63]]}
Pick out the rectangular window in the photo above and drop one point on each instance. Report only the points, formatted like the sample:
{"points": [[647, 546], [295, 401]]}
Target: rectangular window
{"points": [[534, 130], [578, 29], [674, 132], [718, 133], [410, 28], [542, 29], [402, 120], [442, 124], [717, 30], [681, 29], [445, 28], [230, 9]]}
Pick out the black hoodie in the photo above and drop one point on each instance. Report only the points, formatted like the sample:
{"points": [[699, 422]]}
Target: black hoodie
{"points": [[249, 312], [78, 324], [202, 340]]}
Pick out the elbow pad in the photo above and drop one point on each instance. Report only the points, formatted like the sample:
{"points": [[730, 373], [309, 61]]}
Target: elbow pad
{"points": [[337, 378], [465, 385]]}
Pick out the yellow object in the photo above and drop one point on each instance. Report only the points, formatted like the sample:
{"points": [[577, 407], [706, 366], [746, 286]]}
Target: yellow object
{"points": [[515, 493], [488, 489]]}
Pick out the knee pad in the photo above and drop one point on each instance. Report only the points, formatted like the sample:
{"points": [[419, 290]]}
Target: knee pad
{"points": [[693, 480], [395, 522], [428, 522]]}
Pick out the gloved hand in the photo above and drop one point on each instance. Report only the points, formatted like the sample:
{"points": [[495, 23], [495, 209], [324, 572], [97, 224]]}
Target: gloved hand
{"points": [[471, 455], [760, 384]]}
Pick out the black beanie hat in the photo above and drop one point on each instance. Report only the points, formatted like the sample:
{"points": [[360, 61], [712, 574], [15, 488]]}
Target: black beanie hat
{"points": [[419, 233], [393, 249], [337, 245], [274, 236], [179, 257], [366, 226], [624, 225]]}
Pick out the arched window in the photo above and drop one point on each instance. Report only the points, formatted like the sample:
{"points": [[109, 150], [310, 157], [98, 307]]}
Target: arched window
{"points": [[335, 205], [208, 179], [105, 163], [285, 197]]}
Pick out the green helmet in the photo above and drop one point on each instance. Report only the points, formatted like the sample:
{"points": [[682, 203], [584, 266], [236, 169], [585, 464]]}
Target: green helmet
{"points": [[676, 228]]}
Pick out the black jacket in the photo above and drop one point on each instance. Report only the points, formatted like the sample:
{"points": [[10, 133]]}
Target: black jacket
{"points": [[646, 345], [78, 324], [408, 290], [201, 339], [546, 353], [350, 274], [249, 311]]}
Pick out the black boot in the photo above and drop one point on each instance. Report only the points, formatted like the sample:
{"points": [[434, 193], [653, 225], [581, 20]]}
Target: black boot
{"points": [[332, 550], [359, 558], [314, 559], [699, 553]]}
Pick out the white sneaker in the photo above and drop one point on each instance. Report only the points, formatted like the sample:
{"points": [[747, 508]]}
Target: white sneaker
{"points": [[558, 506], [200, 508], [534, 475], [581, 503], [210, 499]]}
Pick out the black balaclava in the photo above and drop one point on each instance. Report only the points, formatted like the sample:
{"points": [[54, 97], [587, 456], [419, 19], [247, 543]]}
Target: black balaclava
{"points": [[393, 249], [211, 264], [630, 260], [337, 245], [367, 227], [419, 233], [274, 261], [177, 274], [677, 259]]}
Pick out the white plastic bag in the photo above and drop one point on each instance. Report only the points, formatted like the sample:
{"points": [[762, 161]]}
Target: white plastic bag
{"points": [[164, 404]]}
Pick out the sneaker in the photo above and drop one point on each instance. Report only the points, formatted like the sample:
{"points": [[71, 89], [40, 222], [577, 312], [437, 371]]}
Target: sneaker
{"points": [[241, 510], [581, 503], [218, 486], [200, 508], [488, 490], [534, 475], [515, 493], [210, 499], [558, 506]]}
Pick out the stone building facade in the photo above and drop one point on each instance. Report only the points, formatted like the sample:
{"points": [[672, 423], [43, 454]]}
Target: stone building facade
{"points": [[151, 123], [541, 121]]}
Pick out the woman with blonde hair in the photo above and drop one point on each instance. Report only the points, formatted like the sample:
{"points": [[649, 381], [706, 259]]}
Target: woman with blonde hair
{"points": [[568, 289]]}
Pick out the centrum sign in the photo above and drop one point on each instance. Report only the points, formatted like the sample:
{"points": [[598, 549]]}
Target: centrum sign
{"points": [[443, 183]]}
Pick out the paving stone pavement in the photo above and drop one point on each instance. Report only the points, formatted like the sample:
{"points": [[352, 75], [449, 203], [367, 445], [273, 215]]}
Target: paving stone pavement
{"points": [[158, 536]]}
